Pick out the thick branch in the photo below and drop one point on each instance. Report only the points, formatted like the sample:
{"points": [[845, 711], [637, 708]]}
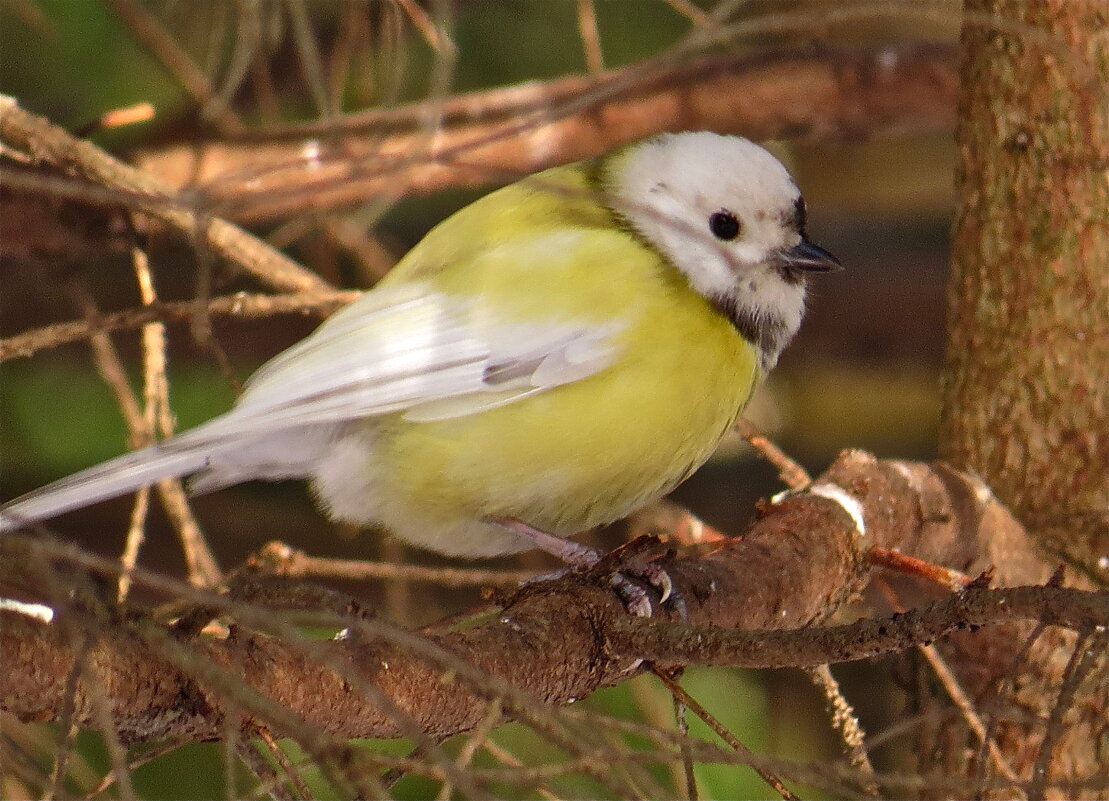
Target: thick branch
{"points": [[556, 641], [671, 643], [1026, 400], [498, 135]]}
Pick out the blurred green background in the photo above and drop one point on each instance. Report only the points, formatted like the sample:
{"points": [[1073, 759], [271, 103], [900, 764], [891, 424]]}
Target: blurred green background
{"points": [[863, 373]]}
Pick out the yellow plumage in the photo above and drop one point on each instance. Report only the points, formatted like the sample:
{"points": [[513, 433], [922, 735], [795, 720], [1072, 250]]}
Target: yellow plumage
{"points": [[585, 453], [558, 353]]}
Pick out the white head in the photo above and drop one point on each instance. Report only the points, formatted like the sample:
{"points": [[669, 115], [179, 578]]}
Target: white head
{"points": [[727, 214]]}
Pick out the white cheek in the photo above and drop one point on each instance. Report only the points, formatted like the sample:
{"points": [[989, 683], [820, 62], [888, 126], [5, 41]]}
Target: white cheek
{"points": [[686, 243], [704, 265], [767, 295]]}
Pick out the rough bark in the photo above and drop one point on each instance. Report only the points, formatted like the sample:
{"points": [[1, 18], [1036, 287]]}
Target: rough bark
{"points": [[1026, 403], [556, 641], [1027, 394]]}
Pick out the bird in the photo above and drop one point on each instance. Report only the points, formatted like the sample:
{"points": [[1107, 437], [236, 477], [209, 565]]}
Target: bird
{"points": [[544, 361]]}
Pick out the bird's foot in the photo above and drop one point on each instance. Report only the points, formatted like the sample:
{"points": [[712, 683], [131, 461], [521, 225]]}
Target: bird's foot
{"points": [[633, 560]]}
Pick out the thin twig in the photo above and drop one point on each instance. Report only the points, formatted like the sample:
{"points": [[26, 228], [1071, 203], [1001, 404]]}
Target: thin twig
{"points": [[240, 305], [793, 475], [846, 723], [681, 718], [110, 367], [1010, 677], [352, 23], [590, 37], [423, 23], [118, 117], [156, 411], [111, 777], [503, 756], [244, 51], [265, 772], [308, 56], [945, 577], [163, 45], [954, 691], [661, 711], [1088, 649], [688, 10], [966, 708], [132, 544], [201, 563], [66, 742], [474, 742], [282, 759], [724, 734], [50, 144], [280, 559]]}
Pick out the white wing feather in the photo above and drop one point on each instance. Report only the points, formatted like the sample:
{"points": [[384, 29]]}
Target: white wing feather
{"points": [[402, 349]]}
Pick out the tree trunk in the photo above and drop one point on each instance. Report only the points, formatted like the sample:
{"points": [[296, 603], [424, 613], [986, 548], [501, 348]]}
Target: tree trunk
{"points": [[1026, 400]]}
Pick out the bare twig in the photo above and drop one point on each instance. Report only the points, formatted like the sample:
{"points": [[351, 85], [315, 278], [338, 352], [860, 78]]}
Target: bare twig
{"points": [[423, 23], [287, 767], [280, 559], [847, 725], [793, 475], [505, 758], [240, 305], [1089, 649], [201, 563], [689, 776], [148, 30], [1019, 659], [946, 577], [722, 732], [49, 144], [688, 10], [308, 56], [590, 37], [265, 772], [501, 134], [956, 693], [111, 777], [156, 412], [966, 708]]}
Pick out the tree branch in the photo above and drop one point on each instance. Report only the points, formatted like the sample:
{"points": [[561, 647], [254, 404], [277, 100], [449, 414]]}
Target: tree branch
{"points": [[240, 305], [48, 144], [498, 135], [556, 641]]}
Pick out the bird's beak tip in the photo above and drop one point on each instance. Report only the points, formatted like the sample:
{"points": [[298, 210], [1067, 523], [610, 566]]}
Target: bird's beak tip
{"points": [[807, 257]]}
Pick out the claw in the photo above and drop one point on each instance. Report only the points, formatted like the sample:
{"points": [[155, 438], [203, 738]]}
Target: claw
{"points": [[634, 597], [660, 580], [581, 557]]}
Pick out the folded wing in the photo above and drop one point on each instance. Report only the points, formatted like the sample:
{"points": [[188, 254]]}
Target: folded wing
{"points": [[405, 349]]}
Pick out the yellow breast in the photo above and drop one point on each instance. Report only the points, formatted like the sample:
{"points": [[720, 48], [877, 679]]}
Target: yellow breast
{"points": [[585, 453]]}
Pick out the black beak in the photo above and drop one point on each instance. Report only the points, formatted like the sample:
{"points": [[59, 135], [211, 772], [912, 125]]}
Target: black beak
{"points": [[809, 258]]}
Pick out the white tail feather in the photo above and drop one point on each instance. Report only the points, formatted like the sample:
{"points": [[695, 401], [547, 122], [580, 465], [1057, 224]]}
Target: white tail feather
{"points": [[172, 458], [116, 477]]}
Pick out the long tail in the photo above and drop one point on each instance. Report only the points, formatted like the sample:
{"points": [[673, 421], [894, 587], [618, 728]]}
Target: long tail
{"points": [[170, 459]]}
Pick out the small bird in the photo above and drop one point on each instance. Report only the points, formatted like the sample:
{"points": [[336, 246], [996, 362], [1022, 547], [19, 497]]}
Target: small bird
{"points": [[545, 361]]}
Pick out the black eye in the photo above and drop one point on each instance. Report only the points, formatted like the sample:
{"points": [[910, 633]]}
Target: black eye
{"points": [[724, 225], [800, 215]]}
